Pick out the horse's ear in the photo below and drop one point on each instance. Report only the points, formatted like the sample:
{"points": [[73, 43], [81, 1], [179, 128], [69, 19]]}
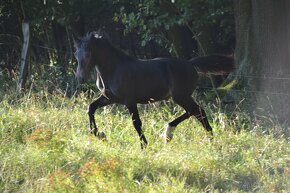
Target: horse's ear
{"points": [[93, 34], [96, 34]]}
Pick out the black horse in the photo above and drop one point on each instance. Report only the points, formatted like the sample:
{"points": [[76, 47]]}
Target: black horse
{"points": [[123, 79]]}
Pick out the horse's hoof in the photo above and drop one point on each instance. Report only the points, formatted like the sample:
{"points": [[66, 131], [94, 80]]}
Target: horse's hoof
{"points": [[168, 137], [90, 131], [168, 134], [211, 137], [101, 135]]}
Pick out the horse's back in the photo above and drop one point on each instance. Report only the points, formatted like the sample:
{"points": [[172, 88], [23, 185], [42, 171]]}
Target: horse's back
{"points": [[177, 77], [152, 80], [144, 81]]}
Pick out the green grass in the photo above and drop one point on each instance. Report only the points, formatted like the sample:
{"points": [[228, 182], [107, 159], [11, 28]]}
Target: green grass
{"points": [[45, 147]]}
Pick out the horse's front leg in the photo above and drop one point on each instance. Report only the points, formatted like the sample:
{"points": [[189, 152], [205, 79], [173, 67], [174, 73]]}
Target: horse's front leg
{"points": [[100, 102], [137, 124]]}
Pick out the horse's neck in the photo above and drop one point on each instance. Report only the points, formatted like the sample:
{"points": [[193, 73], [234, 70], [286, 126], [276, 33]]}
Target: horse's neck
{"points": [[103, 72], [104, 64], [109, 59]]}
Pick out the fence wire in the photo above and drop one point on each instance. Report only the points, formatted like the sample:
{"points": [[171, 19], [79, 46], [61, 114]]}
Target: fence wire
{"points": [[201, 87], [247, 91]]}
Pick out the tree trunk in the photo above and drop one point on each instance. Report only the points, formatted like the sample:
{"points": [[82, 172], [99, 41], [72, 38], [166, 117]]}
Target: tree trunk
{"points": [[185, 46], [182, 39], [262, 53]]}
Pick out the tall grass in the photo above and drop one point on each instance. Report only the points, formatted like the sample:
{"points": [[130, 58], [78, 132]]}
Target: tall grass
{"points": [[45, 147]]}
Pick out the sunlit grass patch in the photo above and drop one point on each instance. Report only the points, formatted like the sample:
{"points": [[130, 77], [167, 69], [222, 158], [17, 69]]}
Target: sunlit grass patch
{"points": [[45, 147], [60, 181]]}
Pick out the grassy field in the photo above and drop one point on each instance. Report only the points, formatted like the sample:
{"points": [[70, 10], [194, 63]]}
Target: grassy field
{"points": [[45, 147]]}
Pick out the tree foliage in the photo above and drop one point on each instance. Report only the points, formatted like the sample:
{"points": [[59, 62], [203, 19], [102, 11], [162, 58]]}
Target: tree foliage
{"points": [[54, 24], [153, 19]]}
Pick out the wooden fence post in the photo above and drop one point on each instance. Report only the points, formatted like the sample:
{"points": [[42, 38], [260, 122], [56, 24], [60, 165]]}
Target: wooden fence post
{"points": [[23, 63]]}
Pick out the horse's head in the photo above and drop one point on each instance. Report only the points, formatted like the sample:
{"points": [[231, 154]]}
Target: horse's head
{"points": [[84, 55], [94, 50]]}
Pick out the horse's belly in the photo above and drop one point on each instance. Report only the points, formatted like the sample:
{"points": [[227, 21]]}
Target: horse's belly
{"points": [[152, 95], [142, 86]]}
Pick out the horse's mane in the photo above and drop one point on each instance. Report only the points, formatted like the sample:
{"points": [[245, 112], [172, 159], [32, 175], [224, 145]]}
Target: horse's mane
{"points": [[115, 50], [120, 53]]}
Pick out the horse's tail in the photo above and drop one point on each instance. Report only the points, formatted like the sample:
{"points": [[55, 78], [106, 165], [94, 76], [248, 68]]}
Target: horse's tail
{"points": [[216, 64]]}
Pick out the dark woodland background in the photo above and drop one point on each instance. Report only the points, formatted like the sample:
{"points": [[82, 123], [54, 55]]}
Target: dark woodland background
{"points": [[255, 32]]}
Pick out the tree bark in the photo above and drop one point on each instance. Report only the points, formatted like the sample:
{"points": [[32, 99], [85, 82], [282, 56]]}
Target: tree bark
{"points": [[262, 55]]}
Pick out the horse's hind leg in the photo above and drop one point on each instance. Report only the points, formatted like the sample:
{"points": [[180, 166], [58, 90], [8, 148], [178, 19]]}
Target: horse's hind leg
{"points": [[172, 125], [191, 108], [137, 124], [100, 102]]}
